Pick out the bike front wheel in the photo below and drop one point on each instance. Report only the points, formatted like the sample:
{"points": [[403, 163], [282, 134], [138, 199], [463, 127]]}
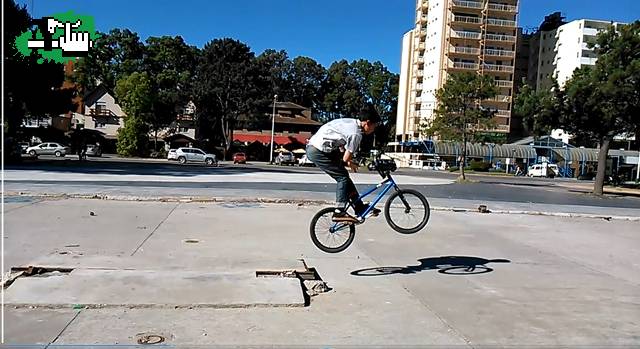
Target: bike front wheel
{"points": [[407, 211], [330, 236]]}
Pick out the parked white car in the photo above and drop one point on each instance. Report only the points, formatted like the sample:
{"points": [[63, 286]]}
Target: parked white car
{"points": [[304, 161], [47, 149], [543, 170], [286, 158], [184, 155]]}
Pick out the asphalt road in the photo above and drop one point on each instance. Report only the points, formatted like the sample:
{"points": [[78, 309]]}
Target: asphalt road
{"points": [[486, 188]]}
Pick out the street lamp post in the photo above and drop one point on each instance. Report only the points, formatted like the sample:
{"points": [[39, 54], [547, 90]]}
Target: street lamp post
{"points": [[273, 124]]}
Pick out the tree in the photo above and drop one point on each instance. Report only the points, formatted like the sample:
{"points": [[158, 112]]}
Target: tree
{"points": [[225, 86], [113, 56], [459, 114], [31, 88], [171, 65], [275, 70], [380, 89], [343, 94], [306, 81], [135, 96], [603, 101], [540, 111]]}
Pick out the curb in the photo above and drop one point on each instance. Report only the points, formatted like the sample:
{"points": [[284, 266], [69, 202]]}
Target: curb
{"points": [[300, 202]]}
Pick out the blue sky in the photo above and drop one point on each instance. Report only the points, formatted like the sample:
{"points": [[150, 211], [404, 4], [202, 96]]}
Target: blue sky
{"points": [[325, 30]]}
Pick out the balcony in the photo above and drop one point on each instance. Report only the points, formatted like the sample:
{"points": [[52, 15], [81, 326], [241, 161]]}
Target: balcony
{"points": [[464, 50], [500, 99], [503, 8], [500, 37], [463, 65], [498, 68], [499, 53], [468, 4], [501, 22], [588, 61], [504, 83], [467, 19], [465, 35], [101, 112]]}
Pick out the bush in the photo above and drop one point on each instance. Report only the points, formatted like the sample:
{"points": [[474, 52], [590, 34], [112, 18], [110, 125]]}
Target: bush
{"points": [[479, 166], [454, 169]]}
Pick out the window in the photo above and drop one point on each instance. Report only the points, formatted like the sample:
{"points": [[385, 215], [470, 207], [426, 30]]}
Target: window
{"points": [[100, 125], [183, 129]]}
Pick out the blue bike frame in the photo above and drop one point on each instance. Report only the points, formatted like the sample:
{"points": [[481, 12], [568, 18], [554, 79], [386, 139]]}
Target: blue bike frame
{"points": [[387, 183]]}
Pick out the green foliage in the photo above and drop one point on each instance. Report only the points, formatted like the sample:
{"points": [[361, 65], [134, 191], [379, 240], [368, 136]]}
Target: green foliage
{"points": [[539, 110], [460, 115], [136, 96], [132, 138], [479, 166], [227, 86], [604, 101], [113, 56], [171, 64]]}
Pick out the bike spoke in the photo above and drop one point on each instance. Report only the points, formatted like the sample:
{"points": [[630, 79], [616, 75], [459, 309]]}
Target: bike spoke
{"points": [[328, 238]]}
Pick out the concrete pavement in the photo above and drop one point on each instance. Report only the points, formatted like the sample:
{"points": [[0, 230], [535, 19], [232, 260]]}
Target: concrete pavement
{"points": [[467, 279]]}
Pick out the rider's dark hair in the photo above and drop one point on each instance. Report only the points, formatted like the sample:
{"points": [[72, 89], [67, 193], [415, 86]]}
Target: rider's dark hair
{"points": [[369, 113]]}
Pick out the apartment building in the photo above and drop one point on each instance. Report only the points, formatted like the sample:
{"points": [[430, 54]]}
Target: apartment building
{"points": [[456, 36], [559, 52]]}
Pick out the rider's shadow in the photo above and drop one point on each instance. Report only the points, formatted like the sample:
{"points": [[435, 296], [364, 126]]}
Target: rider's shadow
{"points": [[452, 265]]}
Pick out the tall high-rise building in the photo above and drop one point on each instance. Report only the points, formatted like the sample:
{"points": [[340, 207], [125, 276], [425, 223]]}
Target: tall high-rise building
{"points": [[560, 51], [456, 36]]}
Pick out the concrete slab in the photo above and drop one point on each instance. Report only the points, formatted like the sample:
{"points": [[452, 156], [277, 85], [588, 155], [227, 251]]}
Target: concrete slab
{"points": [[154, 289], [67, 228], [550, 281], [35, 328]]}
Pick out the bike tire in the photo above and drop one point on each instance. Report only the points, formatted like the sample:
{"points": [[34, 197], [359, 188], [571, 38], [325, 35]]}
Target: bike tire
{"points": [[313, 231], [398, 201]]}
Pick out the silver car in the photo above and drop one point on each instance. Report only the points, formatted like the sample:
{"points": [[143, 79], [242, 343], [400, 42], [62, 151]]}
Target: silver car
{"points": [[47, 149], [184, 155]]}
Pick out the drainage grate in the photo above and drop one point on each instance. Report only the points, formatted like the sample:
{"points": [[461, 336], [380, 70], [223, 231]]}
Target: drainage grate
{"points": [[310, 280]]}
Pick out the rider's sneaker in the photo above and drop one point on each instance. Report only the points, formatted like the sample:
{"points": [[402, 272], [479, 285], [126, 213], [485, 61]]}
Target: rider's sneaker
{"points": [[342, 216]]}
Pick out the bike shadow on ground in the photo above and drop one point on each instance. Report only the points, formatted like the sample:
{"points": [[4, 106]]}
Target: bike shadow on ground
{"points": [[451, 265]]}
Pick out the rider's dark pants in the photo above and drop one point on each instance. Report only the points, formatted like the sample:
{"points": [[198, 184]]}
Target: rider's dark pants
{"points": [[332, 164]]}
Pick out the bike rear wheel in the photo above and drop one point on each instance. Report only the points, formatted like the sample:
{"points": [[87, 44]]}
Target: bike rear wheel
{"points": [[330, 236], [407, 211]]}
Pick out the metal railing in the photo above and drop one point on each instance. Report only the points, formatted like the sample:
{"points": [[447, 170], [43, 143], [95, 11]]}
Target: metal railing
{"points": [[101, 112], [500, 68], [467, 19], [468, 4], [503, 7], [465, 50], [500, 98], [499, 53], [503, 83], [501, 22], [501, 37], [464, 65], [465, 35]]}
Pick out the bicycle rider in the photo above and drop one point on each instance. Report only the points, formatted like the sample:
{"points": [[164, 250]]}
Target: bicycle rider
{"points": [[332, 149]]}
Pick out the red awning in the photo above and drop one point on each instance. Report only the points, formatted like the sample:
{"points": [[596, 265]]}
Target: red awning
{"points": [[265, 139]]}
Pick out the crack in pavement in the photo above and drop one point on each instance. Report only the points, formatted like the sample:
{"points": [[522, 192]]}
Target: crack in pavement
{"points": [[154, 230]]}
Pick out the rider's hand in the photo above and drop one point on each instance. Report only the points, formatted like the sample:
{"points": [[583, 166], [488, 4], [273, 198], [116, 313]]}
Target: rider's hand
{"points": [[353, 166]]}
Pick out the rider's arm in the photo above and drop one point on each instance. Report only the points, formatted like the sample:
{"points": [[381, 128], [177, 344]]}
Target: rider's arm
{"points": [[347, 158]]}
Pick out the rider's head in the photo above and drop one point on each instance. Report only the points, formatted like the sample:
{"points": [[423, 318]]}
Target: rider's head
{"points": [[369, 119]]}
